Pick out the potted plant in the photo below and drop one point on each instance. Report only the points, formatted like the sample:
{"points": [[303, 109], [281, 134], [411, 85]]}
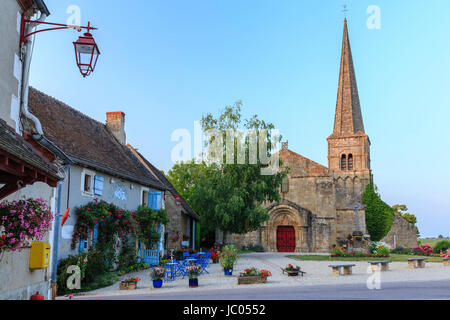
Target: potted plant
{"points": [[228, 258], [292, 271], [157, 275], [193, 272], [129, 283], [253, 275]]}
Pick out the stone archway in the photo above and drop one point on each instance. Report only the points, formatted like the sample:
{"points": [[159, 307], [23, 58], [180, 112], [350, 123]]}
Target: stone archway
{"points": [[288, 214]]}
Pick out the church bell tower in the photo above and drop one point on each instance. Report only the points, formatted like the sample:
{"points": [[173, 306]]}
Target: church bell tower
{"points": [[348, 145]]}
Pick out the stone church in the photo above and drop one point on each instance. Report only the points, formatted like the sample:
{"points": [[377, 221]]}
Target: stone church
{"points": [[322, 204]]}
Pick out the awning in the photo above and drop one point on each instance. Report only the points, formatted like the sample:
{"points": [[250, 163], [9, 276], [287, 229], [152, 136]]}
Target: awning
{"points": [[20, 163]]}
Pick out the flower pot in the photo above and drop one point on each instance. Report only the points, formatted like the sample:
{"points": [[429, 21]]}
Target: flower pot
{"points": [[193, 283], [252, 279], [157, 283], [228, 272], [127, 286]]}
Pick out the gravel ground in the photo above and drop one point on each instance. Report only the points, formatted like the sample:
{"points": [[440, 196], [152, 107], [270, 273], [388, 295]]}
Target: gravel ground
{"points": [[318, 273]]}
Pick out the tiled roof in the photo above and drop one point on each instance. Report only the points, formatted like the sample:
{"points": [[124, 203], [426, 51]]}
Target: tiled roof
{"points": [[86, 141], [161, 177], [15, 145]]}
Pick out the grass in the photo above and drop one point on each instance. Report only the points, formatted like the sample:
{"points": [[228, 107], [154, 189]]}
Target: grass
{"points": [[393, 257], [431, 241]]}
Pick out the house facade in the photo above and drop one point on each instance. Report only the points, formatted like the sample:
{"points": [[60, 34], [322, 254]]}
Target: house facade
{"points": [[184, 221], [29, 166], [101, 165]]}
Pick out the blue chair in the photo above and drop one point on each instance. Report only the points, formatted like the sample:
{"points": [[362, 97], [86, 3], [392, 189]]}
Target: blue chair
{"points": [[204, 263], [185, 255], [172, 270]]}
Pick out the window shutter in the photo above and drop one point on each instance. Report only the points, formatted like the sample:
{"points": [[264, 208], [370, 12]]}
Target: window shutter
{"points": [[95, 235], [84, 246], [98, 185], [158, 200]]}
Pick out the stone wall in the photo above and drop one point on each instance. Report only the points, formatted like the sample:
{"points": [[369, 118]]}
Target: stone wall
{"points": [[404, 232]]}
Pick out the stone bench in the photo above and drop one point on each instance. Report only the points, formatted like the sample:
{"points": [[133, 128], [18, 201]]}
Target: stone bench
{"points": [[446, 262], [338, 267], [376, 265], [416, 263]]}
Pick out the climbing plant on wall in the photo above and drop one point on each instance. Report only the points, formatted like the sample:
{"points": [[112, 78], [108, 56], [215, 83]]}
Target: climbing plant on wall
{"points": [[111, 221], [147, 220], [379, 215]]}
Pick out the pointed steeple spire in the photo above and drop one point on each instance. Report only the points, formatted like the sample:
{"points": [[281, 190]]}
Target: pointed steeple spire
{"points": [[348, 119]]}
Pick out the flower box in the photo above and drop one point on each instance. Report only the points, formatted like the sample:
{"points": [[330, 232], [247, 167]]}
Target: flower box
{"points": [[127, 286], [251, 279]]}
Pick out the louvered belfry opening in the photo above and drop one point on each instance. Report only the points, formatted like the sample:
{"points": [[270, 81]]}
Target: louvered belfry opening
{"points": [[350, 162], [343, 162]]}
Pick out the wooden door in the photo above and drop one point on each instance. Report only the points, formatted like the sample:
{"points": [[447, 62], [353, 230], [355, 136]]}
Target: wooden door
{"points": [[285, 239]]}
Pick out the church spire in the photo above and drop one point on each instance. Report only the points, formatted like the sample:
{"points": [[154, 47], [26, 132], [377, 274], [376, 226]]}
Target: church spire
{"points": [[348, 145], [348, 119]]}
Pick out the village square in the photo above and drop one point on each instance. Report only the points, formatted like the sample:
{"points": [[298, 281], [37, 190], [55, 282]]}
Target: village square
{"points": [[241, 214]]}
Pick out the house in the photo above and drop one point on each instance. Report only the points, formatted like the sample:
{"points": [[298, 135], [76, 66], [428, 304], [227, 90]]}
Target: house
{"points": [[30, 166], [102, 166], [183, 220]]}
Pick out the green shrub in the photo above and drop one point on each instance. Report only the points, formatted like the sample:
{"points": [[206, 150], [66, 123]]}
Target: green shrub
{"points": [[441, 245]]}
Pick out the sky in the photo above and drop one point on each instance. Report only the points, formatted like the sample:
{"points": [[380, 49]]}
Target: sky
{"points": [[165, 63]]}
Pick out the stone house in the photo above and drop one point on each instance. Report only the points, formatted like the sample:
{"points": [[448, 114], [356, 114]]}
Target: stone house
{"points": [[321, 205], [183, 220], [29, 164]]}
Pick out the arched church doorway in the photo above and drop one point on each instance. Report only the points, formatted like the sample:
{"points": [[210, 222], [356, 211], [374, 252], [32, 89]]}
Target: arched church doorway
{"points": [[285, 239]]}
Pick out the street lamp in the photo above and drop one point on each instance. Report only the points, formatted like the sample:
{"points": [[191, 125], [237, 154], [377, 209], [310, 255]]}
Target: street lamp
{"points": [[86, 53], [86, 50]]}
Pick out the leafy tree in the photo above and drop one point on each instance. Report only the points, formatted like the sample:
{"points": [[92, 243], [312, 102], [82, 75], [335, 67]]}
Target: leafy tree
{"points": [[229, 196], [401, 210], [379, 215]]}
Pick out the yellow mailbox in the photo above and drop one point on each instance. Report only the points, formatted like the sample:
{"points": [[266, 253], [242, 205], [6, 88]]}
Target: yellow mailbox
{"points": [[39, 255]]}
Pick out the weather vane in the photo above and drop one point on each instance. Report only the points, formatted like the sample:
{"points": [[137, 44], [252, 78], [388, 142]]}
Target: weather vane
{"points": [[345, 10]]}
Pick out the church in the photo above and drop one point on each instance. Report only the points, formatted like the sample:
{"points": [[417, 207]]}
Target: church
{"points": [[321, 205]]}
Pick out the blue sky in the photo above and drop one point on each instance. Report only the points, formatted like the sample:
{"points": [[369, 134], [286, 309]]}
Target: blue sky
{"points": [[165, 63]]}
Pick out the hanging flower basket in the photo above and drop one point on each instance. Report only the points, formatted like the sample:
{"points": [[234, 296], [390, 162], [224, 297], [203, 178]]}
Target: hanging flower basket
{"points": [[22, 221]]}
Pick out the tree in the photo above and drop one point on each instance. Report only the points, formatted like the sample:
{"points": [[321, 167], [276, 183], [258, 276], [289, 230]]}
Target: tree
{"points": [[401, 210], [379, 215], [229, 196]]}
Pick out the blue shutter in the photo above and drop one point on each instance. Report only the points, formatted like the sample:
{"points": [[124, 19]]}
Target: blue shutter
{"points": [[95, 235], [84, 245], [154, 200], [98, 185], [158, 200]]}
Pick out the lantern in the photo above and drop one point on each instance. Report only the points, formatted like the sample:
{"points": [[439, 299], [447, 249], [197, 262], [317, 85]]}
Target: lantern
{"points": [[86, 53]]}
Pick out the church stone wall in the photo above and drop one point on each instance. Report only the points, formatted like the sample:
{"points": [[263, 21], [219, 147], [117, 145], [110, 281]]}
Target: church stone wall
{"points": [[404, 233]]}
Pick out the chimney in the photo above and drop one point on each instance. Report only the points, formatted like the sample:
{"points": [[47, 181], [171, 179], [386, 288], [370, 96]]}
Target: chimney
{"points": [[115, 121]]}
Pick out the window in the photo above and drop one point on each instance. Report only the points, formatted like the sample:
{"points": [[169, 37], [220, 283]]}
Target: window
{"points": [[145, 198], [285, 185], [87, 183], [343, 162], [350, 162]]}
